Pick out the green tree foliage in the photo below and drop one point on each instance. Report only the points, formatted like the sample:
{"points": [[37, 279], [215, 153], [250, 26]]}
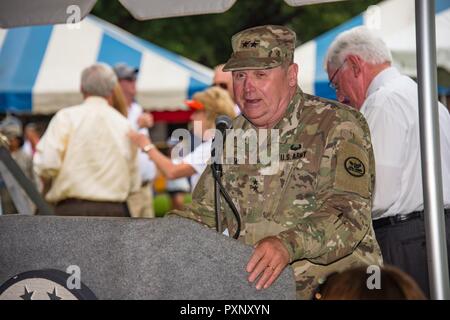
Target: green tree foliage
{"points": [[206, 38]]}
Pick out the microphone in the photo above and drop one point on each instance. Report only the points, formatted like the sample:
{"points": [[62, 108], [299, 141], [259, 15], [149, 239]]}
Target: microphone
{"points": [[223, 123]]}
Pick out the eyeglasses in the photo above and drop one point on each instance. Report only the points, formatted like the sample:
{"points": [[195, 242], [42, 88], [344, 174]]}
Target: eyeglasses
{"points": [[223, 85], [331, 84]]}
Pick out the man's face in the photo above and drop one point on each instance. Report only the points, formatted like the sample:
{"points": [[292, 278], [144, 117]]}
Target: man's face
{"points": [[14, 143], [224, 80], [349, 83], [129, 89], [264, 95]]}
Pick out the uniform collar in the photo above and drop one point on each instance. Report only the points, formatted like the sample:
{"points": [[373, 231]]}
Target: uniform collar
{"points": [[381, 78], [292, 112]]}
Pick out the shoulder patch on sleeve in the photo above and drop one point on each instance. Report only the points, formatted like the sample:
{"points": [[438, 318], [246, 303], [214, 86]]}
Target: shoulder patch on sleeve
{"points": [[352, 169]]}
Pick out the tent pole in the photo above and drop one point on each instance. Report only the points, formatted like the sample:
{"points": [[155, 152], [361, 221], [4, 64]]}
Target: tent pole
{"points": [[430, 150]]}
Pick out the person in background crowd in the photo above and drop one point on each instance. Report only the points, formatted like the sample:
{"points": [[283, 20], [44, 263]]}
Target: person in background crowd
{"points": [[207, 106], [225, 81], [85, 156], [141, 202], [366, 283], [359, 67], [11, 127], [119, 101], [178, 188], [33, 133]]}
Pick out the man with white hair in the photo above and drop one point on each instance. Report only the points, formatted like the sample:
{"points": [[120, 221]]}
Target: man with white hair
{"points": [[359, 67], [86, 155]]}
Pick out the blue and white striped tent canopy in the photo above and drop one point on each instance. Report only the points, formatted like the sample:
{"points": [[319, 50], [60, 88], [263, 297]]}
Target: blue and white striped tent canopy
{"points": [[40, 66], [394, 22], [37, 12]]}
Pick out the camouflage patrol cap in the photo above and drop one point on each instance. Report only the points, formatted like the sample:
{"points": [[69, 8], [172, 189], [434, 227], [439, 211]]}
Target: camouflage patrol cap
{"points": [[262, 47]]}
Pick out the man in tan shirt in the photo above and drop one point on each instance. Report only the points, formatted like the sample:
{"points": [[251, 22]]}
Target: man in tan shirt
{"points": [[86, 155]]}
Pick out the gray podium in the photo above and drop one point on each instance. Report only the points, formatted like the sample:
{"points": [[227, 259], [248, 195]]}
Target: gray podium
{"points": [[124, 258]]}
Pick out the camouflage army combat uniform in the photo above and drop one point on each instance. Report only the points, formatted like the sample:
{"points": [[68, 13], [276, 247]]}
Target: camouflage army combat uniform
{"points": [[317, 197], [318, 200]]}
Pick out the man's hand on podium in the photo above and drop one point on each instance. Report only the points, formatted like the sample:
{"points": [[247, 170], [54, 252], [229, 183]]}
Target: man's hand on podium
{"points": [[268, 261]]}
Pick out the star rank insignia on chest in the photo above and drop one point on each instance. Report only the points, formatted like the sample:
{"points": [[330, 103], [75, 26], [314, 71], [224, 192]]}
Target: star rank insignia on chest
{"points": [[254, 186]]}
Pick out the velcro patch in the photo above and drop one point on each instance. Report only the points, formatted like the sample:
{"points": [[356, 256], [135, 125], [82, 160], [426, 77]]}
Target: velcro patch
{"points": [[352, 170], [355, 167]]}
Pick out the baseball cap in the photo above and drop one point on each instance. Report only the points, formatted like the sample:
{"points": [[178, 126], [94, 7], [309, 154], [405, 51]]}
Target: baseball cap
{"points": [[194, 105], [262, 47], [124, 71]]}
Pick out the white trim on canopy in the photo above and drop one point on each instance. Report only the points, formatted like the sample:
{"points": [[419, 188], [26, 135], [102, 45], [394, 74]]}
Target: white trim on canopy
{"points": [[36, 12]]}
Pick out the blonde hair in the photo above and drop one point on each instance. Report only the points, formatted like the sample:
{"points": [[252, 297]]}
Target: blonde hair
{"points": [[119, 100], [216, 101]]}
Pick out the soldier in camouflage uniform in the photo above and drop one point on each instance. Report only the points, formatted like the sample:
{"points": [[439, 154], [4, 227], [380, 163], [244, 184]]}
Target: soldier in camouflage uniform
{"points": [[311, 208]]}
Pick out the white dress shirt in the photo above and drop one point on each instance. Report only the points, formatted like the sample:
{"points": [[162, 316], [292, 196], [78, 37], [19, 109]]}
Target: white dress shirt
{"points": [[147, 167], [87, 154], [237, 110], [392, 113]]}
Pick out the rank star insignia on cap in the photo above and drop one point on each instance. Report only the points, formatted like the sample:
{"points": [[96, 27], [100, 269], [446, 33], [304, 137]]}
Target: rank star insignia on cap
{"points": [[262, 47]]}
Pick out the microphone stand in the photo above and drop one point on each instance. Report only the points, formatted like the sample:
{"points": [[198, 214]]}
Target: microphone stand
{"points": [[222, 123], [216, 167]]}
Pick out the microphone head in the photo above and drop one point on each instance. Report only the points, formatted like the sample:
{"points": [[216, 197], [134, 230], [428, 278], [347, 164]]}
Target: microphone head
{"points": [[223, 122]]}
